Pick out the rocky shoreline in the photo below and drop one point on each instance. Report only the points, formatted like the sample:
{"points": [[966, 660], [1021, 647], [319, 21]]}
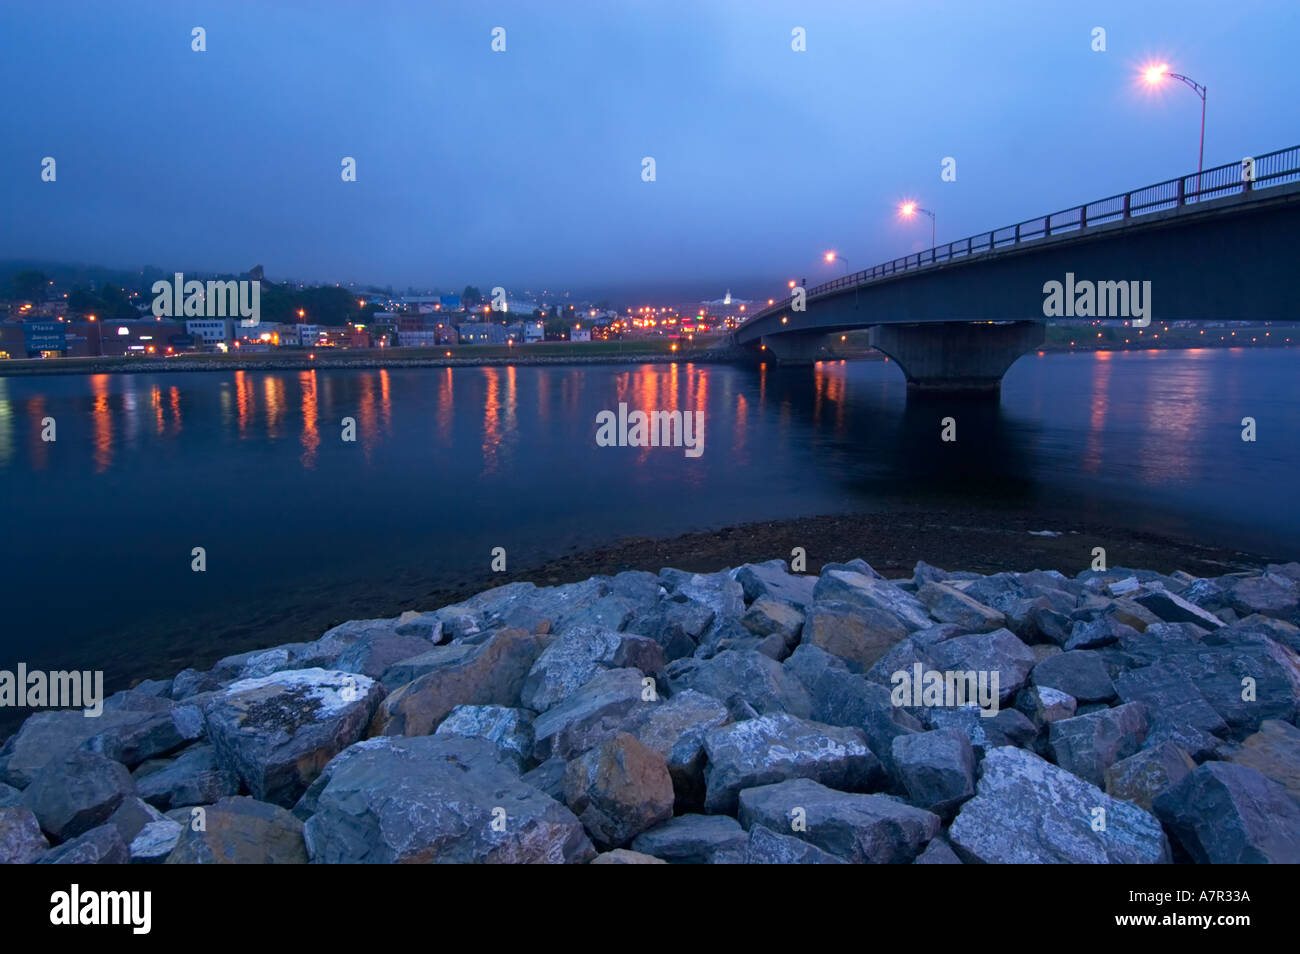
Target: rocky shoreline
{"points": [[750, 715]]}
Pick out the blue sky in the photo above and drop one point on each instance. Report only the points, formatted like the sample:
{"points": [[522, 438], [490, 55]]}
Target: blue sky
{"points": [[523, 168]]}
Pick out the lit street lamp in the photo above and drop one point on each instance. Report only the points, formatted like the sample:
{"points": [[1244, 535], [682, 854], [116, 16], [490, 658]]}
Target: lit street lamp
{"points": [[831, 258], [1154, 74], [909, 209]]}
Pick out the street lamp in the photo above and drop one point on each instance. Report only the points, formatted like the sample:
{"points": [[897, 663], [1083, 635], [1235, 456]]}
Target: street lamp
{"points": [[831, 257], [1154, 74], [909, 209]]}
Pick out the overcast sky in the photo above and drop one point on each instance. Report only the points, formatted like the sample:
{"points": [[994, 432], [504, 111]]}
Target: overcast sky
{"points": [[524, 168]]}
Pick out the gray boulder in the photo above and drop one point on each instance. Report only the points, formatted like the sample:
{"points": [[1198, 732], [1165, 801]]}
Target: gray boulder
{"points": [[937, 768], [277, 732], [1273, 751], [430, 799], [21, 841], [1089, 744], [693, 839], [767, 847], [155, 842], [758, 680], [676, 729], [999, 651], [773, 581], [777, 747], [195, 777], [948, 604], [1143, 776], [1223, 813], [860, 829], [574, 658], [76, 793], [510, 730], [619, 789], [1028, 811], [860, 590], [860, 635], [1079, 673], [602, 708], [99, 846], [240, 831]]}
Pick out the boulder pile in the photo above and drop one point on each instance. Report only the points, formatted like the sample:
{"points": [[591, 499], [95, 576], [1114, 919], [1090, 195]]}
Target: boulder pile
{"points": [[747, 716]]}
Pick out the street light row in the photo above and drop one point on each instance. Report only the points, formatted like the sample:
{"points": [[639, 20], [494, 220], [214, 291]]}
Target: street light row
{"points": [[1154, 75]]}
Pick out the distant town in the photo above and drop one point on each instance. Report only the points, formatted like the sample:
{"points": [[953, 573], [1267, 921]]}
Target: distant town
{"points": [[78, 313], [44, 317]]}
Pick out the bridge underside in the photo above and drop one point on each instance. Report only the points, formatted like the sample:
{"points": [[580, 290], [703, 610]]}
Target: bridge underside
{"points": [[934, 356], [957, 356]]}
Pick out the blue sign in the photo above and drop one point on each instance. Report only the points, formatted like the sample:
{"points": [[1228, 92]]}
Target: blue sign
{"points": [[45, 335]]}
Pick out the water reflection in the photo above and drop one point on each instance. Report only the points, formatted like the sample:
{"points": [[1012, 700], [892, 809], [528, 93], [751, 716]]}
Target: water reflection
{"points": [[310, 412], [102, 422], [1097, 409]]}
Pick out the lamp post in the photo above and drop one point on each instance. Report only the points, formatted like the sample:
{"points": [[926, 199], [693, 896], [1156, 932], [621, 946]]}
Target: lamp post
{"points": [[909, 209], [1154, 74], [832, 257]]}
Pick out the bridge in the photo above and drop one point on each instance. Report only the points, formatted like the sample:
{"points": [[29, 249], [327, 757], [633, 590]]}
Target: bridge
{"points": [[1215, 245]]}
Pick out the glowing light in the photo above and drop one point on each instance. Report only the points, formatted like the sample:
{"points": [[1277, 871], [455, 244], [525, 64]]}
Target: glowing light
{"points": [[908, 209], [830, 257], [1154, 74]]}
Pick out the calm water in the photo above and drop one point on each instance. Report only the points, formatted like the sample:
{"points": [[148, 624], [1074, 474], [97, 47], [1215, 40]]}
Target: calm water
{"points": [[99, 525]]}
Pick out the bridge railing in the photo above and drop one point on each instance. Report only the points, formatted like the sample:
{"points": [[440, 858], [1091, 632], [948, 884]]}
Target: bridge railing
{"points": [[1272, 169]]}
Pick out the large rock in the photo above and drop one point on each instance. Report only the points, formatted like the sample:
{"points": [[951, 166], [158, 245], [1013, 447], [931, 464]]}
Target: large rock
{"points": [[77, 792], [155, 842], [1168, 691], [1174, 609], [676, 729], [490, 673], [1273, 751], [1089, 744], [860, 829], [602, 708], [1141, 777], [769, 617], [51, 735], [510, 730], [623, 856], [1224, 813], [858, 634], [677, 624], [861, 590], [277, 732], [693, 839], [375, 652], [195, 777], [777, 747], [1222, 675], [1044, 705], [241, 831], [574, 658], [102, 845], [1028, 811], [999, 651], [1006, 727], [758, 680], [767, 847], [437, 799], [773, 581], [618, 790], [21, 841], [1079, 672], [937, 768], [948, 604]]}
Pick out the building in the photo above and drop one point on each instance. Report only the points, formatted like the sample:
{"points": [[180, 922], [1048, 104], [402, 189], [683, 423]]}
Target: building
{"points": [[534, 331], [479, 333], [212, 332], [579, 333]]}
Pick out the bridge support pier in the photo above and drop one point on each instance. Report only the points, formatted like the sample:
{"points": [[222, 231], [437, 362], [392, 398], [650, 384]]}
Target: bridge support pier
{"points": [[957, 356], [797, 347]]}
